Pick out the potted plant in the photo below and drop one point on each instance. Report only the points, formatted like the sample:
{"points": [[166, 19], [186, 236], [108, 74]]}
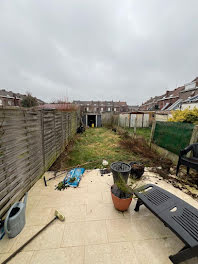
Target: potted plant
{"points": [[121, 195], [137, 169]]}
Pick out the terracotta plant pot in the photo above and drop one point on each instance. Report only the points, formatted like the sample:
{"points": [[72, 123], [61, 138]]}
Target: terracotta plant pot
{"points": [[120, 203]]}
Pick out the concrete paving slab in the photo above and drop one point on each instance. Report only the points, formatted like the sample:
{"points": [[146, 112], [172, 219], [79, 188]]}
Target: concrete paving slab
{"points": [[93, 231]]}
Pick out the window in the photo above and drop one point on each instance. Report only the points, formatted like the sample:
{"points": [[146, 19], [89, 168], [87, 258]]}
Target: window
{"points": [[101, 109], [95, 109], [1, 102], [9, 102], [87, 108], [109, 109], [114, 109]]}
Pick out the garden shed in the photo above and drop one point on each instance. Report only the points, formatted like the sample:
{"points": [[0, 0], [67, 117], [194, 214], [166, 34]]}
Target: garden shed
{"points": [[92, 119]]}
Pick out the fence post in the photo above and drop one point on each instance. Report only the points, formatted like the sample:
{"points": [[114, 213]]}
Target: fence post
{"points": [[28, 143], [152, 132], [135, 126], [193, 139], [56, 147], [43, 143], [62, 131], [194, 136]]}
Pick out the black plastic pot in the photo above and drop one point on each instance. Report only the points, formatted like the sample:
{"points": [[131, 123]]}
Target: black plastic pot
{"points": [[120, 169], [137, 171]]}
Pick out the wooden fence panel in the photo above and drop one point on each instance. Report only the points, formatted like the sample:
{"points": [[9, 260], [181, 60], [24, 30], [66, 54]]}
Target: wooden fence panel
{"points": [[14, 149], [69, 126], [49, 138], [59, 133], [34, 132], [30, 141], [64, 128]]}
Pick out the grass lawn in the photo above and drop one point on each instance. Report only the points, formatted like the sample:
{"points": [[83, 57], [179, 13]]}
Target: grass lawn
{"points": [[145, 132], [95, 144]]}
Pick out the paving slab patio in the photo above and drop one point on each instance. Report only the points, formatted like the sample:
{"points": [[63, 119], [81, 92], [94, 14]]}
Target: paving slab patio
{"points": [[93, 231]]}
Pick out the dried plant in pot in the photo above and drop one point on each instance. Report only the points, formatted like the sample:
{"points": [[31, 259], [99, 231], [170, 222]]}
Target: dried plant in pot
{"points": [[137, 169], [121, 195]]}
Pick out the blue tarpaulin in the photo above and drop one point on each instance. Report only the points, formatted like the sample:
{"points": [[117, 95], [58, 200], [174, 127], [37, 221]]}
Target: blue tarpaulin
{"points": [[73, 177]]}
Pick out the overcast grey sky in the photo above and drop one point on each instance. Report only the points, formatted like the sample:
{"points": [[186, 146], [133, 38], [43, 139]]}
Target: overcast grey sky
{"points": [[97, 50]]}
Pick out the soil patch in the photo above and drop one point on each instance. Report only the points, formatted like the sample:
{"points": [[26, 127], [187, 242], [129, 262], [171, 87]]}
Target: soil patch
{"points": [[161, 165]]}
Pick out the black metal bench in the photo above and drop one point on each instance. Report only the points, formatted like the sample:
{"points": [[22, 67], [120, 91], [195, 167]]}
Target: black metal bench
{"points": [[176, 214]]}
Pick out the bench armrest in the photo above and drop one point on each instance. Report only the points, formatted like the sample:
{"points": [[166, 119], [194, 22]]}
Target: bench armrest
{"points": [[186, 150]]}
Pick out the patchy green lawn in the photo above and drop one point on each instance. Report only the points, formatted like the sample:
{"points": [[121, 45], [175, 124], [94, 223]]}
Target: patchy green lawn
{"points": [[94, 145], [145, 132]]}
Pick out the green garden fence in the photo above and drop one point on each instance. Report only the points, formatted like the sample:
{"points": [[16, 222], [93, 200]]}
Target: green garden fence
{"points": [[172, 136]]}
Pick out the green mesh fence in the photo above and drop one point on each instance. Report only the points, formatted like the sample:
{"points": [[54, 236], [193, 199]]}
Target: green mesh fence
{"points": [[173, 136]]}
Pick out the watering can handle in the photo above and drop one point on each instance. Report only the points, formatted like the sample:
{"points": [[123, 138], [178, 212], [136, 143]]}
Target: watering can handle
{"points": [[25, 199], [6, 220]]}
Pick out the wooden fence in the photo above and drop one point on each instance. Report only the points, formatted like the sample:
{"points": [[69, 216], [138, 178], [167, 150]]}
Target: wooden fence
{"points": [[30, 141], [133, 120]]}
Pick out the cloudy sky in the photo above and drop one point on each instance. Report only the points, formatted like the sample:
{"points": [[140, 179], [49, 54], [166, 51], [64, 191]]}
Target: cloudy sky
{"points": [[97, 49]]}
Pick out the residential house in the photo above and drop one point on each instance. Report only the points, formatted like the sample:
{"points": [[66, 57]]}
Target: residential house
{"points": [[189, 95], [190, 103], [170, 98], [9, 98], [102, 106], [132, 108], [178, 98], [190, 90], [91, 110], [151, 104]]}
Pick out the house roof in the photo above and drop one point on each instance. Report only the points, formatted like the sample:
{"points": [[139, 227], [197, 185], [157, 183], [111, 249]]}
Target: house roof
{"points": [[195, 80], [192, 99], [105, 103], [18, 96], [10, 94], [166, 105], [185, 94], [152, 100], [172, 94], [175, 105]]}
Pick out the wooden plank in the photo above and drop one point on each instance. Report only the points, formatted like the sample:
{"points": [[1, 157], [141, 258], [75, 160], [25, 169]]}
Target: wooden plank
{"points": [[2, 177]]}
